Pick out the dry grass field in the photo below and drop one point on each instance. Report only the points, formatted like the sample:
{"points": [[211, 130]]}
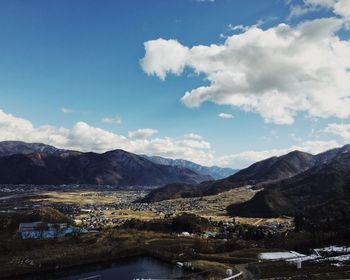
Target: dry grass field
{"points": [[88, 197], [213, 207]]}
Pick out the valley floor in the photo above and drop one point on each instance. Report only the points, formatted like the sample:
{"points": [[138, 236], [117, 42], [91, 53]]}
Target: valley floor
{"points": [[119, 205], [106, 212]]}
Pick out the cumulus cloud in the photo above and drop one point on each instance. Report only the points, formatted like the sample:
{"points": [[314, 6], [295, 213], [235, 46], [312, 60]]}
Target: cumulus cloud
{"points": [[142, 133], [276, 72], [342, 8], [157, 60], [84, 137], [112, 120], [225, 116], [342, 130]]}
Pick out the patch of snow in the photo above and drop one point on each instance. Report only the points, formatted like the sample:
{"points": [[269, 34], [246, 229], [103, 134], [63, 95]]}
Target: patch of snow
{"points": [[316, 256], [280, 255], [337, 264], [342, 258], [305, 258], [338, 249]]}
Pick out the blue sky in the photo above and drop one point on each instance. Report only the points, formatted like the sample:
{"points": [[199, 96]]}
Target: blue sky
{"points": [[65, 63]]}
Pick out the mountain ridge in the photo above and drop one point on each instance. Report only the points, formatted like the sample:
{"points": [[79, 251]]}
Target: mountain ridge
{"points": [[322, 191], [35, 163], [261, 174], [215, 172]]}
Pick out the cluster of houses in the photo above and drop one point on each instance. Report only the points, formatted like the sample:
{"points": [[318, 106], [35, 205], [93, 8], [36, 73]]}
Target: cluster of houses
{"points": [[96, 220], [229, 230], [273, 228], [97, 215]]}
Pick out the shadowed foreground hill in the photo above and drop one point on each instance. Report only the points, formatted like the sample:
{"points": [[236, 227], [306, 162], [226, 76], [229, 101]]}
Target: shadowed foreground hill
{"points": [[111, 168], [176, 190], [262, 172], [320, 192]]}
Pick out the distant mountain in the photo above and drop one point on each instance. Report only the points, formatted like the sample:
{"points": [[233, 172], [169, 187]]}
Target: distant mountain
{"points": [[331, 154], [8, 148], [25, 163], [274, 168], [262, 172], [320, 192], [214, 171]]}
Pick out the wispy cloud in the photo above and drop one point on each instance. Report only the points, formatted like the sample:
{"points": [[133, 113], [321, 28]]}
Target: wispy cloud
{"points": [[339, 129], [193, 136], [142, 133], [66, 110], [338, 7], [259, 23], [246, 158], [112, 120], [225, 116]]}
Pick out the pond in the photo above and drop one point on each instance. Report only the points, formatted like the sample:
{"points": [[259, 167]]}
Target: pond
{"points": [[142, 267]]}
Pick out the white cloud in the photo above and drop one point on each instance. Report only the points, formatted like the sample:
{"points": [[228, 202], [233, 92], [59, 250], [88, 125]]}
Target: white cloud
{"points": [[225, 116], [112, 120], [338, 7], [244, 159], [142, 133], [164, 56], [342, 8], [324, 3], [239, 27], [84, 137], [66, 110], [193, 136], [277, 72], [341, 130], [299, 10]]}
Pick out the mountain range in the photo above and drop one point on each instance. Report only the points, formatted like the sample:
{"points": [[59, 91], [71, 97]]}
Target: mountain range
{"points": [[259, 173], [8, 148], [214, 171], [322, 191], [317, 186], [36, 163]]}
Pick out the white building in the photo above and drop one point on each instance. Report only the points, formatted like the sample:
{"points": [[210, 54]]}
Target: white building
{"points": [[44, 230]]}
